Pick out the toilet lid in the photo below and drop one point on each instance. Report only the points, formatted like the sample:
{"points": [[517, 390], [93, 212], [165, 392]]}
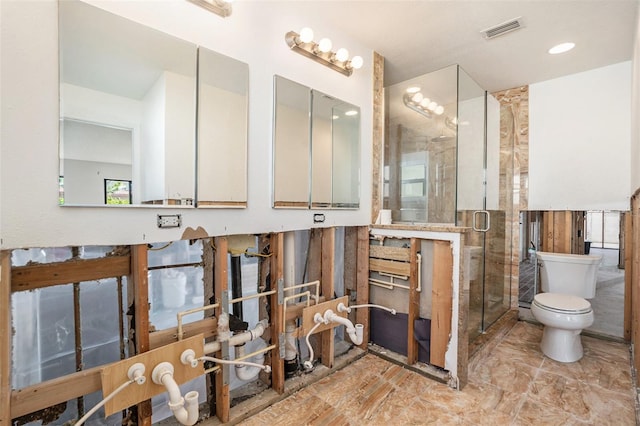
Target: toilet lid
{"points": [[562, 303]]}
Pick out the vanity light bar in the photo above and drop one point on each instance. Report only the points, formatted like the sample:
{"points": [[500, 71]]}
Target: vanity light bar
{"points": [[321, 52], [219, 7]]}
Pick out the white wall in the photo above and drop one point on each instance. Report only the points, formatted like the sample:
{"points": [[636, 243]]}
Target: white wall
{"points": [[635, 111], [29, 211], [579, 141]]}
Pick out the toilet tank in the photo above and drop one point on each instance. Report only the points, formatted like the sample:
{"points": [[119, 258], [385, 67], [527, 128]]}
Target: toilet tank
{"points": [[574, 274]]}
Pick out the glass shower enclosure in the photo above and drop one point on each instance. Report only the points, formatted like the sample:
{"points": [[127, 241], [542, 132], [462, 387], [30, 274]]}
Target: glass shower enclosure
{"points": [[444, 164]]}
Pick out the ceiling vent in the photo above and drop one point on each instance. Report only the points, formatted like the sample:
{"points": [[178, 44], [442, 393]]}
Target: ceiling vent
{"points": [[503, 28]]}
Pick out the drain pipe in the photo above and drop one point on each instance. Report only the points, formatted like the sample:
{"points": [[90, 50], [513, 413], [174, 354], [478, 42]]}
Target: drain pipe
{"points": [[184, 409], [355, 332], [237, 339], [290, 350]]}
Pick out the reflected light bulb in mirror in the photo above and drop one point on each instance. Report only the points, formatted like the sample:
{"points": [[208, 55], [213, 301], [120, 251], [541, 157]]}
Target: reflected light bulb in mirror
{"points": [[413, 89], [418, 97], [342, 54], [324, 45], [439, 110], [306, 35], [357, 62], [424, 103], [351, 112], [432, 106]]}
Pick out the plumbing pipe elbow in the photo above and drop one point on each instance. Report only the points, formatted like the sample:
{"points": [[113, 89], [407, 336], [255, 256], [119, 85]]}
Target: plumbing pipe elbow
{"points": [[358, 336], [187, 412], [330, 316], [245, 372]]}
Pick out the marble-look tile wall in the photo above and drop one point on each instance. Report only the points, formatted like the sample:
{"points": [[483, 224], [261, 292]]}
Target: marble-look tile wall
{"points": [[514, 132]]}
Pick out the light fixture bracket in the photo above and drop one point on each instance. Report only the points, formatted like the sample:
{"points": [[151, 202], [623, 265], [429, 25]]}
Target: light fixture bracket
{"points": [[310, 50], [218, 7]]}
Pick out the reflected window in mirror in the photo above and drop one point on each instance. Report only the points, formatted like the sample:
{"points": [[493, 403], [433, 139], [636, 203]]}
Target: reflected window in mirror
{"points": [[118, 74], [223, 92]]}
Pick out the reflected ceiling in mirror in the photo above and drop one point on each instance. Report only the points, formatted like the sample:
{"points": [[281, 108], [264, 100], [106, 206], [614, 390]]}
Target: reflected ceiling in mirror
{"points": [[118, 74]]}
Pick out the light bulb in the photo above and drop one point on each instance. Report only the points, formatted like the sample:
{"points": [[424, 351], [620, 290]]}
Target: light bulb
{"points": [[432, 106], [342, 54], [324, 45], [425, 102], [439, 110], [357, 62], [306, 35], [413, 89], [351, 112], [417, 98]]}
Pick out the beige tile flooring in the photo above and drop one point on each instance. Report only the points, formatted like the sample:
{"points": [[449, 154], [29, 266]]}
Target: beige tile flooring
{"points": [[516, 385]]}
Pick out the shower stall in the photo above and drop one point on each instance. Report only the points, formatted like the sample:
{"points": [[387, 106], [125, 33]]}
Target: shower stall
{"points": [[445, 163]]}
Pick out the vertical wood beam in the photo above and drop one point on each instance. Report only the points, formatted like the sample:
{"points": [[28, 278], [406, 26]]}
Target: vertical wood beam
{"points": [[208, 266], [351, 267], [139, 284], [277, 273], [328, 287], [378, 135], [414, 304], [635, 281], [362, 284], [221, 284], [5, 338], [628, 268], [441, 301]]}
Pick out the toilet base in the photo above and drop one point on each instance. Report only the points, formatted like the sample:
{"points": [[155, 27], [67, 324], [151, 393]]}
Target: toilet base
{"points": [[561, 345]]}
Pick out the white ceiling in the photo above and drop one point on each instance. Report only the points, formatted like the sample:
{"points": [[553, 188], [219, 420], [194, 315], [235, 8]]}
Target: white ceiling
{"points": [[417, 37]]}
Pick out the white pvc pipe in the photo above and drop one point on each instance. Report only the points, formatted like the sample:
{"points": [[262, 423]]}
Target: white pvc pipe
{"points": [[289, 275], [245, 372], [238, 339], [266, 368], [355, 332], [163, 375]]}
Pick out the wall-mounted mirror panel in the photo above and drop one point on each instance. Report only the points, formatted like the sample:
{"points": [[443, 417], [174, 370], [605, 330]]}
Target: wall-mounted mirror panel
{"points": [[324, 160], [121, 78], [335, 152], [223, 91], [292, 144]]}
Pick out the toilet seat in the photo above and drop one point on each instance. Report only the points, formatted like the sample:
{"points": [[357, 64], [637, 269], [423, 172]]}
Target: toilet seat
{"points": [[562, 303]]}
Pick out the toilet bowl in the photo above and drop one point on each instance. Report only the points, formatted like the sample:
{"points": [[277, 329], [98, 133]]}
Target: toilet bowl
{"points": [[567, 280], [564, 316]]}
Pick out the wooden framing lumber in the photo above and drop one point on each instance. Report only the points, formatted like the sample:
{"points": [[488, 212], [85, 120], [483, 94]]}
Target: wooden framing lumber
{"points": [[31, 277], [5, 338], [221, 284], [207, 327], [400, 254], [46, 394], [362, 284], [327, 284], [140, 284], [441, 301], [628, 268]]}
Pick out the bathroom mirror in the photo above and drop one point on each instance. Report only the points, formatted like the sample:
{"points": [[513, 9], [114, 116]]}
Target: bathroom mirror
{"points": [[223, 87], [335, 153], [292, 144], [316, 149], [127, 111]]}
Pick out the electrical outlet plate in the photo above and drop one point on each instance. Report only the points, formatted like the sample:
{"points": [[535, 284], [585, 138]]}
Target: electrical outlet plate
{"points": [[169, 220]]}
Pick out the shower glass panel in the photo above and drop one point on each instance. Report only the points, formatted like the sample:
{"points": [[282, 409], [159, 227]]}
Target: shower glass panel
{"points": [[444, 163], [420, 148]]}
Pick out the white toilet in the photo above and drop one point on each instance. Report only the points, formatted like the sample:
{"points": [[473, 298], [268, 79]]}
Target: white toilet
{"points": [[566, 281]]}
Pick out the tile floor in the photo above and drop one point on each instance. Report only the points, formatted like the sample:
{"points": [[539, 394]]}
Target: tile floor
{"points": [[517, 385]]}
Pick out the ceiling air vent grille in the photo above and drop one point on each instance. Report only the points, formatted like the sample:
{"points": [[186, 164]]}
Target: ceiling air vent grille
{"points": [[503, 28]]}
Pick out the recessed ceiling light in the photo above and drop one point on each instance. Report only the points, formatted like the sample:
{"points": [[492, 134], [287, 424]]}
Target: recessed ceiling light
{"points": [[561, 48]]}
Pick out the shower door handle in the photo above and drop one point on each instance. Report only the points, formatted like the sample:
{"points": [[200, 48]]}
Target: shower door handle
{"points": [[487, 221]]}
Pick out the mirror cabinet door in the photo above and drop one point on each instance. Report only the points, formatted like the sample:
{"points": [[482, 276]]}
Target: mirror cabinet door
{"points": [[345, 170], [223, 91], [291, 145], [335, 153], [127, 107]]}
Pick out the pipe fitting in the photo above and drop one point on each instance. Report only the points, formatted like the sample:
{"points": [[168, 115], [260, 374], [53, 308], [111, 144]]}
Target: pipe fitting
{"points": [[136, 373], [188, 357]]}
